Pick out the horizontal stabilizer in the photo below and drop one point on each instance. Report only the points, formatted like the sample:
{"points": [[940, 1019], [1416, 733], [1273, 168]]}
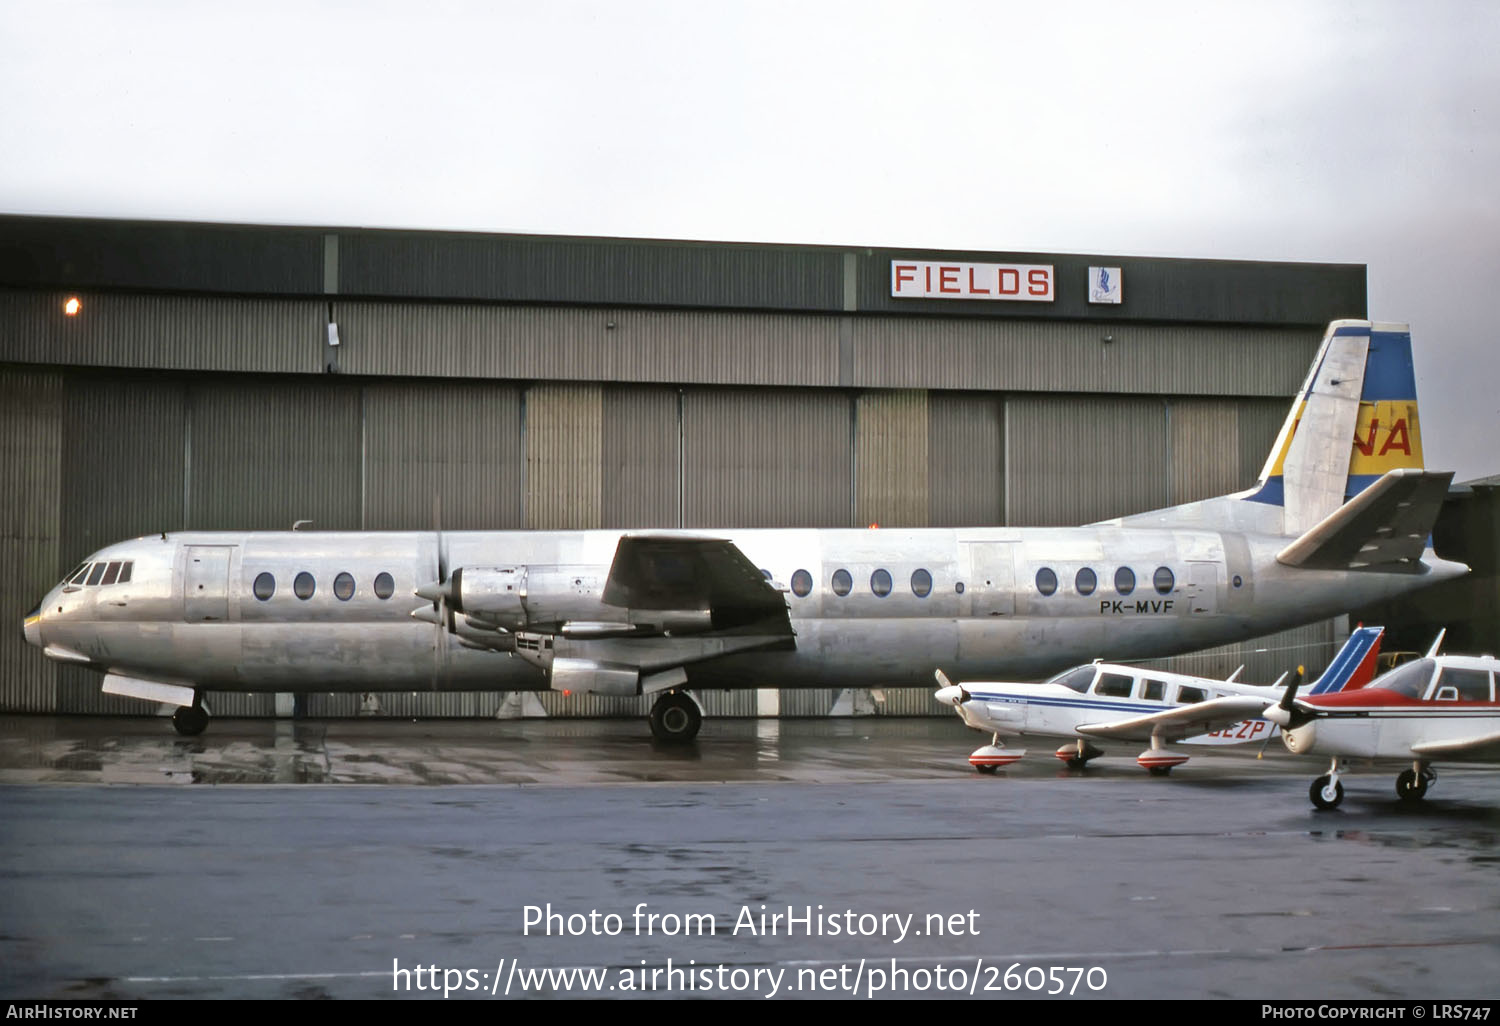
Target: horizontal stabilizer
{"points": [[1182, 721], [1484, 748], [1385, 526]]}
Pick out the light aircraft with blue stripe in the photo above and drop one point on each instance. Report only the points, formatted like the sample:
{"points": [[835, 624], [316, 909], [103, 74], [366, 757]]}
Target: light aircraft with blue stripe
{"points": [[1118, 702]]}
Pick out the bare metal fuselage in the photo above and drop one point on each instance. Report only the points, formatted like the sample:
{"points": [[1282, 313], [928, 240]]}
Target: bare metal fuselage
{"points": [[189, 614]]}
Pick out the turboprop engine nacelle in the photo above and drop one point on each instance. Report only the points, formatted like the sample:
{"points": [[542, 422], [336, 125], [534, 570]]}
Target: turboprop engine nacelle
{"points": [[515, 596]]}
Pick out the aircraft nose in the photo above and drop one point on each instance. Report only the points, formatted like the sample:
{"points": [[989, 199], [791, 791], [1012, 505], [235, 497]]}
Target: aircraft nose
{"points": [[951, 695], [33, 627]]}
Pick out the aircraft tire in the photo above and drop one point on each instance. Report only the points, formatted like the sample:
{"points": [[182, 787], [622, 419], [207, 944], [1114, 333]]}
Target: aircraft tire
{"points": [[1316, 793], [1075, 763], [987, 769], [1159, 771], [189, 720], [1410, 786], [675, 719]]}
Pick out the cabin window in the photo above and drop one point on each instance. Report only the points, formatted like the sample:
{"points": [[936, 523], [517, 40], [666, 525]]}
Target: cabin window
{"points": [[1078, 678], [343, 587], [1471, 685], [385, 585], [801, 583], [111, 574], [1163, 581], [1085, 581], [264, 586], [1046, 581], [921, 583], [765, 573], [843, 582], [880, 583], [1114, 685], [1189, 696], [1154, 690], [959, 587], [97, 573], [303, 585], [1409, 680], [1124, 580]]}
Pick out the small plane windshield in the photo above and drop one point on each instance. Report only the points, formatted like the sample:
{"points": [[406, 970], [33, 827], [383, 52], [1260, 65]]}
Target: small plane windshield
{"points": [[1078, 678], [1409, 680]]}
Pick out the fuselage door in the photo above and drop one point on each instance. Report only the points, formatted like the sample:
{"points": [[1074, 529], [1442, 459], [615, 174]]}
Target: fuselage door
{"points": [[1203, 587], [989, 579], [205, 583]]}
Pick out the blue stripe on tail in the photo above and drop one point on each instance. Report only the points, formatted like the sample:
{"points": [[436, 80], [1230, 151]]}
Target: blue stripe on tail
{"points": [[1359, 649]]}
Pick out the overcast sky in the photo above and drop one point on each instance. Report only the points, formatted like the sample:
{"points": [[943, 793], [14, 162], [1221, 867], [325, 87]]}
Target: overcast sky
{"points": [[1360, 132]]}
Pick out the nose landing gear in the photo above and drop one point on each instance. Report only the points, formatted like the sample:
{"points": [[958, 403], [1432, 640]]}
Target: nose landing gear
{"points": [[190, 720], [1326, 792]]}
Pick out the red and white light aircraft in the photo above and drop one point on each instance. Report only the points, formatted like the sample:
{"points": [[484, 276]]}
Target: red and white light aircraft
{"points": [[1435, 709], [1115, 702]]}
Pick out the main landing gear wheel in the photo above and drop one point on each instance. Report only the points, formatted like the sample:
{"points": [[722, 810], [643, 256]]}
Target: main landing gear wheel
{"points": [[1411, 786], [189, 720], [675, 718], [1323, 796], [1158, 771]]}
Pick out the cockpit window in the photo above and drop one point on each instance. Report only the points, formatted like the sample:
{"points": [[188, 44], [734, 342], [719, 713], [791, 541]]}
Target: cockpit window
{"points": [[1190, 696], [1114, 685], [111, 574], [77, 576], [125, 573], [1078, 678], [1409, 680], [97, 573]]}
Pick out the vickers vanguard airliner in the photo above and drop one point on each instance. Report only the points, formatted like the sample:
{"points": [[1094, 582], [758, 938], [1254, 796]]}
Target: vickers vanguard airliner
{"points": [[1112, 702], [1339, 518]]}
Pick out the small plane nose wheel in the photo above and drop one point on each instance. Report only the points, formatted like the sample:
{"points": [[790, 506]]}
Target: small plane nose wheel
{"points": [[1326, 792], [190, 720]]}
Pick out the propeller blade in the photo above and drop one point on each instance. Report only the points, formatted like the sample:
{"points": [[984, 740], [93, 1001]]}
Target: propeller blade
{"points": [[948, 692], [1287, 714], [436, 591]]}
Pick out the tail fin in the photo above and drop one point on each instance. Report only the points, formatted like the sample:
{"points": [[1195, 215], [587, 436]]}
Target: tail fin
{"points": [[1354, 419], [1354, 666]]}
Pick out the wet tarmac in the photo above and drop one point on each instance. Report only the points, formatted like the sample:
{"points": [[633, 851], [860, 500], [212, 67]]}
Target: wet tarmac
{"points": [[131, 871]]}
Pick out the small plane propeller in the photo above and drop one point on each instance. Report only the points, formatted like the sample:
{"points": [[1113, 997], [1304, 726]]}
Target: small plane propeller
{"points": [[1287, 714], [948, 692]]}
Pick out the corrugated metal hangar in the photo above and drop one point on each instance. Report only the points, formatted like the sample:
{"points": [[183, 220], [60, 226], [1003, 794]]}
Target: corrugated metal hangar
{"points": [[237, 377]]}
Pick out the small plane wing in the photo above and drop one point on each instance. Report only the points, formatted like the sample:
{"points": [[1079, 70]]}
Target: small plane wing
{"points": [[1182, 721], [671, 572], [1483, 748], [1384, 526]]}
